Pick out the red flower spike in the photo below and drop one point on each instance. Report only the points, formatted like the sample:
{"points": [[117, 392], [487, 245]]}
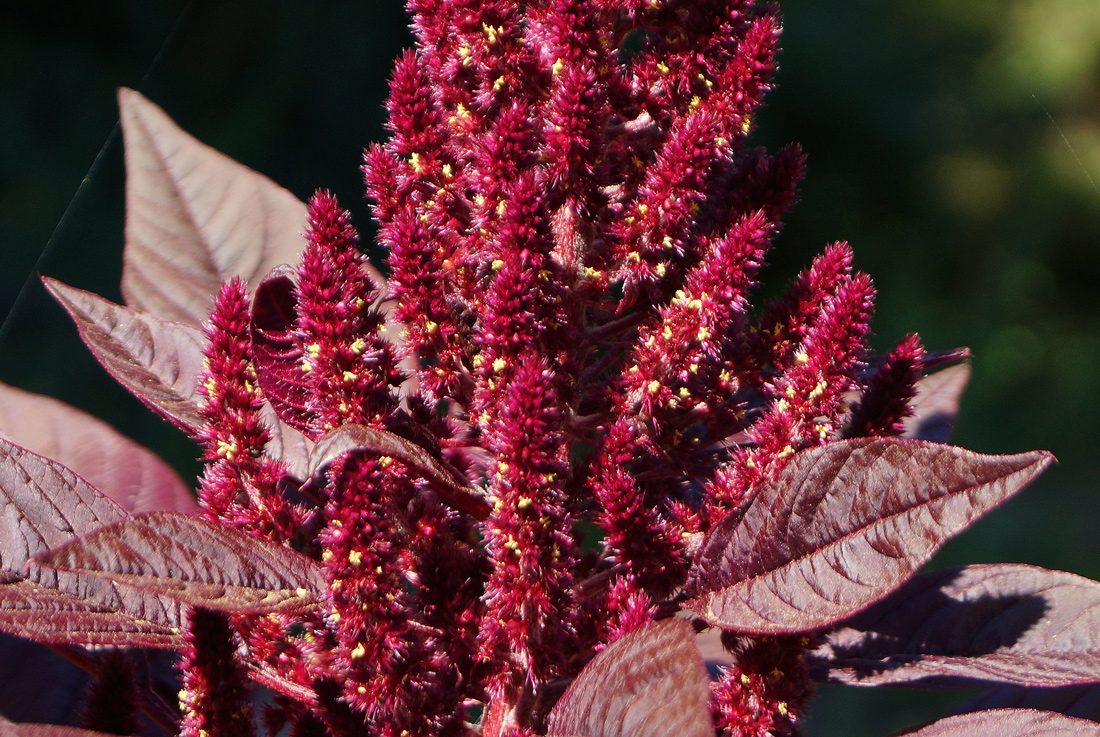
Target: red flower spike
{"points": [[351, 367], [239, 483], [884, 404], [764, 693], [215, 693], [807, 407], [529, 533]]}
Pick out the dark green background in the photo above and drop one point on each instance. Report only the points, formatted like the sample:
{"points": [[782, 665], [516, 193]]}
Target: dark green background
{"points": [[930, 149]]}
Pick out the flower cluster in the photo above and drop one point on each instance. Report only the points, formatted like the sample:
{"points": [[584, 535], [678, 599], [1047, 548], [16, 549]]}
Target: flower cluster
{"points": [[575, 226], [468, 497]]}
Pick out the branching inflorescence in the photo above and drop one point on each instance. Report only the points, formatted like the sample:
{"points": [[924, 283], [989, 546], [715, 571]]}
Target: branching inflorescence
{"points": [[469, 497]]}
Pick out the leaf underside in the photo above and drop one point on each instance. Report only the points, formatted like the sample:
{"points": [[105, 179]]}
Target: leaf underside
{"points": [[1081, 701], [1008, 723], [158, 361], [650, 683], [194, 562], [357, 438], [195, 217], [277, 353], [936, 404], [50, 616], [128, 473], [962, 627], [843, 525]]}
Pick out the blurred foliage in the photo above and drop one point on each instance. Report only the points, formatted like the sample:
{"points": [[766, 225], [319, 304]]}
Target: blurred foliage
{"points": [[955, 144]]}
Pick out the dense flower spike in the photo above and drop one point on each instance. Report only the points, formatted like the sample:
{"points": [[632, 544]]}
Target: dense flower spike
{"points": [[215, 683], [349, 366], [568, 344], [239, 483]]}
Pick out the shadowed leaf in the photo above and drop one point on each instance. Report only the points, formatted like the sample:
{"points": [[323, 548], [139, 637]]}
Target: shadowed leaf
{"points": [[967, 626], [46, 615], [158, 361], [650, 683], [357, 438], [195, 217], [936, 404], [276, 352], [1081, 701], [195, 562], [1008, 723], [842, 526], [128, 473]]}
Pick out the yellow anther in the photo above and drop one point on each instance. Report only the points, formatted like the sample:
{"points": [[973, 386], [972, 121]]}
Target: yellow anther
{"points": [[355, 558], [653, 386], [558, 66], [499, 364]]}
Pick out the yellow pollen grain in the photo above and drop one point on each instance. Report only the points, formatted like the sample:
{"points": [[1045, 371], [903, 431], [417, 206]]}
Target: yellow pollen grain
{"points": [[694, 368], [478, 361], [361, 690], [634, 257], [633, 369], [745, 680], [349, 377], [491, 33], [313, 349], [667, 333], [385, 461], [782, 405], [500, 208], [498, 84], [787, 452], [653, 386], [801, 357], [781, 707], [684, 392], [818, 391], [662, 67], [746, 124], [525, 502], [211, 386], [447, 171], [430, 327], [660, 270], [358, 346], [499, 364], [414, 160], [703, 335], [643, 208], [558, 66], [696, 304], [326, 556], [355, 558]]}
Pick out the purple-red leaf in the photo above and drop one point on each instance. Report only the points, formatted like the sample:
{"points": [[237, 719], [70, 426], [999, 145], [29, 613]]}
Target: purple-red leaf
{"points": [[936, 404], [842, 526], [967, 626], [195, 217], [128, 473], [276, 351], [44, 505], [47, 615], [1007, 723], [359, 439], [158, 361], [650, 683], [195, 562]]}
